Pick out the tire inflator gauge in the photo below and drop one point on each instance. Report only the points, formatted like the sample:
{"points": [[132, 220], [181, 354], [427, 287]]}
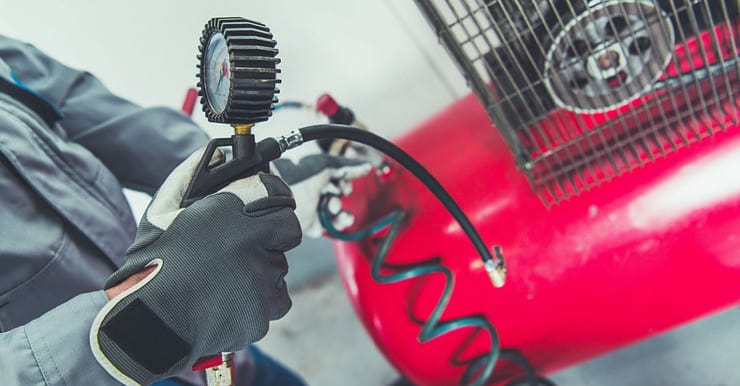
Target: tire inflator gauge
{"points": [[238, 86]]}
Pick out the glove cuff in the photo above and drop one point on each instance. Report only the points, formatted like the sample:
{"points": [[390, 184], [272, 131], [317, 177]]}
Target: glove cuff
{"points": [[114, 343]]}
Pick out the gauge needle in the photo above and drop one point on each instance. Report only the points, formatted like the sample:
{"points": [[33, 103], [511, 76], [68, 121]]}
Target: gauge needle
{"points": [[223, 72], [220, 78]]}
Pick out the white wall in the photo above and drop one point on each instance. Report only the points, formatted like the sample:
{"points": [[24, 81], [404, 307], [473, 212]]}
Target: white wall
{"points": [[370, 54], [378, 57]]}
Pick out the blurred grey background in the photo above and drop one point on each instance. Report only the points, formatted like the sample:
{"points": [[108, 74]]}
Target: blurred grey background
{"points": [[380, 58]]}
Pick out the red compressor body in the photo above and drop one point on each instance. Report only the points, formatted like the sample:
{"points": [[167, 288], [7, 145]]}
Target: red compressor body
{"points": [[637, 255]]}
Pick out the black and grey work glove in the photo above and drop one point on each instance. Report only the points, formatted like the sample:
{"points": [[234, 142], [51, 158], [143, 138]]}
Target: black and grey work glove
{"points": [[313, 175], [218, 279]]}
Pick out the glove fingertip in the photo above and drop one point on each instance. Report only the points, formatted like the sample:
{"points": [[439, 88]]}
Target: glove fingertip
{"points": [[346, 187], [343, 221], [275, 186], [331, 189], [334, 206], [352, 172]]}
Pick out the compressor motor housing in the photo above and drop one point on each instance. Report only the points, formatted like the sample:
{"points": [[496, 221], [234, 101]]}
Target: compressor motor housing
{"points": [[583, 91], [527, 30]]}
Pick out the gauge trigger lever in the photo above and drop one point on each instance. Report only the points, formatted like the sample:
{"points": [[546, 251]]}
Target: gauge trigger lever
{"points": [[249, 158]]}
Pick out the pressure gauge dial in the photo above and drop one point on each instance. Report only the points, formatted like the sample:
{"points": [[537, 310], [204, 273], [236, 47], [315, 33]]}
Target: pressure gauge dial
{"points": [[238, 71]]}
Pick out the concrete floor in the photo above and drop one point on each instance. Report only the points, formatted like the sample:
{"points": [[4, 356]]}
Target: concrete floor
{"points": [[322, 340]]}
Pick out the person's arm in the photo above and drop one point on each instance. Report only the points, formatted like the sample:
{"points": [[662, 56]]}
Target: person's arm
{"points": [[139, 145], [161, 311], [31, 354]]}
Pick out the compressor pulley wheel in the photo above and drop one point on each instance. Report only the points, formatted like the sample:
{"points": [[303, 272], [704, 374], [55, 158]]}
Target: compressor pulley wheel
{"points": [[608, 55], [238, 74]]}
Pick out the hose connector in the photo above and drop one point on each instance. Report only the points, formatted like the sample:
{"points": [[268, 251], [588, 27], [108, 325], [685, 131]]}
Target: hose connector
{"points": [[496, 269], [290, 141]]}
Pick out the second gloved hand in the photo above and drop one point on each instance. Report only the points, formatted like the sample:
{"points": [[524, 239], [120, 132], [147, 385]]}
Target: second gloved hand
{"points": [[217, 278], [318, 175]]}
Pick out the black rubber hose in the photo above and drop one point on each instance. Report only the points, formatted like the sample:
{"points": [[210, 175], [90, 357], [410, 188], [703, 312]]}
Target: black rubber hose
{"points": [[379, 143]]}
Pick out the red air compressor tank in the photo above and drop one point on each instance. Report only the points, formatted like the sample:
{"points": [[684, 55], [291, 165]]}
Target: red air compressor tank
{"points": [[629, 257]]}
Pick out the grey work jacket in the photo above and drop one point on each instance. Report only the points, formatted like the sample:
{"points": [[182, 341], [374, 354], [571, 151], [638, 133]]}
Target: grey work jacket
{"points": [[64, 221]]}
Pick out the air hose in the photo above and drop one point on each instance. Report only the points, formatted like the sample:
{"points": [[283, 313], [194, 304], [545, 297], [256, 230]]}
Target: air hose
{"points": [[331, 131], [432, 327], [481, 367]]}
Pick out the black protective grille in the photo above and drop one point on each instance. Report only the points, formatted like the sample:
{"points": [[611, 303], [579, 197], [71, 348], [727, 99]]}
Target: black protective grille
{"points": [[583, 91]]}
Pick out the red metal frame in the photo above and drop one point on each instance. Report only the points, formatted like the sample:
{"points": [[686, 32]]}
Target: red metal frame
{"points": [[631, 258]]}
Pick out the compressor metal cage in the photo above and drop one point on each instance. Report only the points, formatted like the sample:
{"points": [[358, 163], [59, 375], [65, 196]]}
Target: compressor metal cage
{"points": [[583, 91]]}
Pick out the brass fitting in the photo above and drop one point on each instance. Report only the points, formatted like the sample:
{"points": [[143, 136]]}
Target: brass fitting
{"points": [[496, 269], [242, 128]]}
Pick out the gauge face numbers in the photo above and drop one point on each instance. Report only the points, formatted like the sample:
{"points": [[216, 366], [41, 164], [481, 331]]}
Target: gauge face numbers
{"points": [[217, 71]]}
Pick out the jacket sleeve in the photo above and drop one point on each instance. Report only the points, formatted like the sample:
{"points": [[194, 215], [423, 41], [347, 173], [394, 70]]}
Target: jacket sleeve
{"points": [[139, 145], [54, 349]]}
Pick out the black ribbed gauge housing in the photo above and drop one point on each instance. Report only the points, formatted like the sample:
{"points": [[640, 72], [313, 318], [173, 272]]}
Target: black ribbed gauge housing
{"points": [[237, 77]]}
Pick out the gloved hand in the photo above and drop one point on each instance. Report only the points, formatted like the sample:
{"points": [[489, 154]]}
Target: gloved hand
{"points": [[317, 175], [217, 282]]}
